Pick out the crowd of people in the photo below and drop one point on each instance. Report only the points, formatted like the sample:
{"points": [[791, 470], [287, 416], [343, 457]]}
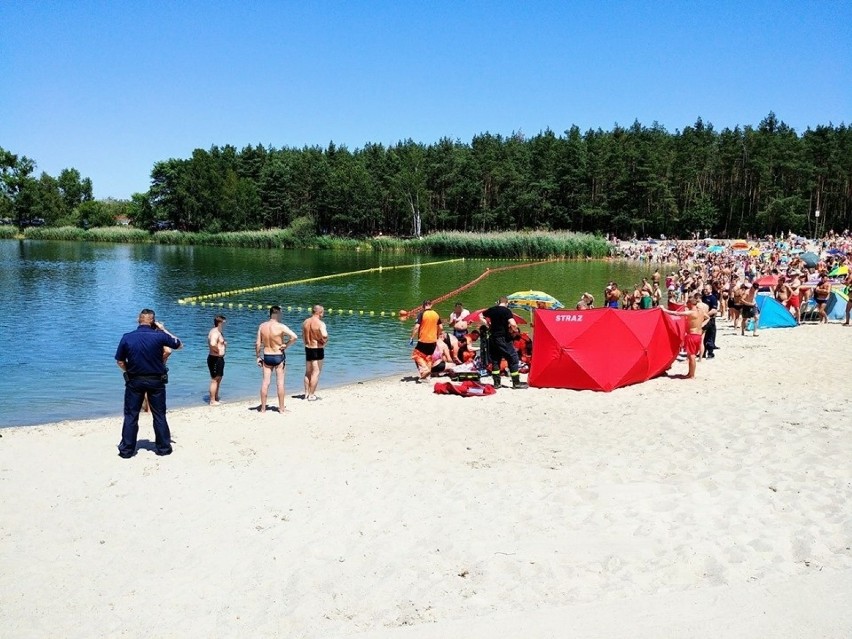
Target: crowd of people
{"points": [[711, 280], [800, 273]]}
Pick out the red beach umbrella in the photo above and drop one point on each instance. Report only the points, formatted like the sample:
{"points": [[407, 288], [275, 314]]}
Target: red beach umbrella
{"points": [[767, 280]]}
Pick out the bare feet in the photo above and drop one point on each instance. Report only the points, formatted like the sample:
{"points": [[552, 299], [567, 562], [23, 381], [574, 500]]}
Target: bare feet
{"points": [[215, 403]]}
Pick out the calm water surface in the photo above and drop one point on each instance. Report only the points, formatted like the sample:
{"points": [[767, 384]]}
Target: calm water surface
{"points": [[65, 305]]}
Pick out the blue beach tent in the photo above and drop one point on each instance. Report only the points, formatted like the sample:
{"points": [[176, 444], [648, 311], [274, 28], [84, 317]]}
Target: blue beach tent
{"points": [[773, 314], [836, 307]]}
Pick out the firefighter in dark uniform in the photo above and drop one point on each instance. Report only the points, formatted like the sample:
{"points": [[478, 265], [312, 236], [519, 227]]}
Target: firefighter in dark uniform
{"points": [[502, 324]]}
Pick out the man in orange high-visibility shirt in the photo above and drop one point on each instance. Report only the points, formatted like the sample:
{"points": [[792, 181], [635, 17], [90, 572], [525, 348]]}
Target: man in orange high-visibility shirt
{"points": [[426, 330]]}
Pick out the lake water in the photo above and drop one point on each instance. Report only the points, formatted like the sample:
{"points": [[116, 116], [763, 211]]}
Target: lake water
{"points": [[65, 305]]}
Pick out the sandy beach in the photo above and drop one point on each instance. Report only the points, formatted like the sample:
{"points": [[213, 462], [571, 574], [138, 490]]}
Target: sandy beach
{"points": [[713, 507]]}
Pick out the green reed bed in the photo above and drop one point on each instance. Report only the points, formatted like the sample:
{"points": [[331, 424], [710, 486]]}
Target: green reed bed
{"points": [[534, 245], [9, 232], [65, 233], [273, 238], [118, 234]]}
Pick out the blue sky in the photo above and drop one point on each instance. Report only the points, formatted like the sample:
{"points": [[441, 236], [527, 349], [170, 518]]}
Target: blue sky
{"points": [[110, 88]]}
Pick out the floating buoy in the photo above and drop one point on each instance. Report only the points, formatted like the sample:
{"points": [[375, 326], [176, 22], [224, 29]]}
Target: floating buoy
{"points": [[403, 314]]}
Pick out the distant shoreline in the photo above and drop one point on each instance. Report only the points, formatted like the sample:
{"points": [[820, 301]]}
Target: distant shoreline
{"points": [[497, 245]]}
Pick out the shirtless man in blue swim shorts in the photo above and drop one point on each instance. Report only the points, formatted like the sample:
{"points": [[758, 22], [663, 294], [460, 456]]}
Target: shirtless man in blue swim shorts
{"points": [[273, 339]]}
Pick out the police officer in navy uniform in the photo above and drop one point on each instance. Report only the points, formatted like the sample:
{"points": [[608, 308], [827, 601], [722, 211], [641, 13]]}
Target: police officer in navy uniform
{"points": [[501, 321], [140, 356]]}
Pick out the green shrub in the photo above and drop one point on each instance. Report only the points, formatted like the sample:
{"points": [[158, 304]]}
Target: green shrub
{"points": [[303, 228]]}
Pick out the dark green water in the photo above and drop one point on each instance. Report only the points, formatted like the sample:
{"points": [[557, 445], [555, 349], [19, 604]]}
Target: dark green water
{"points": [[65, 305]]}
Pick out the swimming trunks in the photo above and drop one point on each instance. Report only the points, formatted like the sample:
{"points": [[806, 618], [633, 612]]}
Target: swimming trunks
{"points": [[216, 365], [427, 348], [272, 361], [692, 343], [748, 311], [314, 354], [612, 304]]}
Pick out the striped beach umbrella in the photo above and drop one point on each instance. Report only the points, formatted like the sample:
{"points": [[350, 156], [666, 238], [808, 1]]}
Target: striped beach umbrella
{"points": [[533, 299]]}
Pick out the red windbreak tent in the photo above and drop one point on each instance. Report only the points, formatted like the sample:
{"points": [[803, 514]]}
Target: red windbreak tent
{"points": [[602, 348]]}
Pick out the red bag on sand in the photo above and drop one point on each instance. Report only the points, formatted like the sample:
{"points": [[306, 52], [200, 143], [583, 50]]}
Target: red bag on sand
{"points": [[465, 389]]}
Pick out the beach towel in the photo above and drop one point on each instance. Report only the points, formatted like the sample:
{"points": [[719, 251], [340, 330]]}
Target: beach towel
{"points": [[465, 389]]}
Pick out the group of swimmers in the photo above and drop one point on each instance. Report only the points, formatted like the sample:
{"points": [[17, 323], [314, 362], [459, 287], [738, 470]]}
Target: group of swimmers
{"points": [[273, 340]]}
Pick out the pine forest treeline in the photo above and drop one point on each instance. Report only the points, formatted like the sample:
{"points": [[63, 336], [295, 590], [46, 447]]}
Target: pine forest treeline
{"points": [[637, 180]]}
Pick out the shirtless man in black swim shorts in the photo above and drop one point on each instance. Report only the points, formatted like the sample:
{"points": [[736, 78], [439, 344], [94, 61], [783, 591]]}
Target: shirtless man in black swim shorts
{"points": [[315, 336], [216, 357], [273, 339]]}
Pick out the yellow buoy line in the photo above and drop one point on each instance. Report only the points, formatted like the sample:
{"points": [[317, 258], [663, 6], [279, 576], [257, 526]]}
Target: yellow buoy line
{"points": [[289, 309], [203, 299]]}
